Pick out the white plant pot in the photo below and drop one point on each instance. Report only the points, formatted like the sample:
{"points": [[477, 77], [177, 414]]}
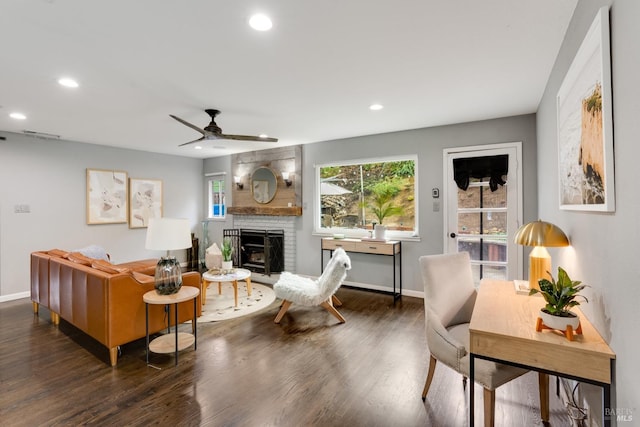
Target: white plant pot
{"points": [[380, 232], [558, 322], [227, 265]]}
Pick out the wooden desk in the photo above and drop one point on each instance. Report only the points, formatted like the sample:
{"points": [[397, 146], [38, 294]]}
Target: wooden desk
{"points": [[502, 329], [390, 248]]}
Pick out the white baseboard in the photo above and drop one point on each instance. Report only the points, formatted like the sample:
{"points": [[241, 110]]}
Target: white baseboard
{"points": [[11, 297]]}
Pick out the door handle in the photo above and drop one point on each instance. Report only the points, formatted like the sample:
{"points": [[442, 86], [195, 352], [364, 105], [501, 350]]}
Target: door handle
{"points": [[452, 235]]}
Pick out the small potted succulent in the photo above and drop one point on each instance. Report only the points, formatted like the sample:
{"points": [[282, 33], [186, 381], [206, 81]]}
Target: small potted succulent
{"points": [[560, 296], [227, 252]]}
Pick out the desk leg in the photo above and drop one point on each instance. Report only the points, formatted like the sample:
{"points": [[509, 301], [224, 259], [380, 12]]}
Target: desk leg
{"points": [[472, 382], [606, 404]]}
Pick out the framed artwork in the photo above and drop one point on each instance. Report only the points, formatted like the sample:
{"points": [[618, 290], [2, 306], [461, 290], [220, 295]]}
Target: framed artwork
{"points": [[145, 201], [106, 196], [585, 125]]}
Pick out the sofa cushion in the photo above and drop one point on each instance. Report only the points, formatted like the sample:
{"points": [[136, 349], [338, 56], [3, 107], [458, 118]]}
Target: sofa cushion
{"points": [[78, 258], [107, 267], [58, 253], [94, 251]]}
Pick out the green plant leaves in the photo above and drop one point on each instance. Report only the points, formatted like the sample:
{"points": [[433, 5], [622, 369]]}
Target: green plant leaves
{"points": [[560, 295]]}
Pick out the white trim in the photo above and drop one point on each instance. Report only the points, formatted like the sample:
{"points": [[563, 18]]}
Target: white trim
{"points": [[405, 292], [357, 233], [12, 297], [473, 151]]}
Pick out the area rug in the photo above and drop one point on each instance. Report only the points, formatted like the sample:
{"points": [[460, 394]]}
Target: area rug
{"points": [[221, 307]]}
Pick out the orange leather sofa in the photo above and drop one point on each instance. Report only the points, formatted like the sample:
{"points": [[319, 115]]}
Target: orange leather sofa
{"points": [[101, 299]]}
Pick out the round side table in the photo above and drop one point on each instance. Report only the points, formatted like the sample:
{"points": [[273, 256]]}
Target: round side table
{"points": [[182, 340], [233, 277]]}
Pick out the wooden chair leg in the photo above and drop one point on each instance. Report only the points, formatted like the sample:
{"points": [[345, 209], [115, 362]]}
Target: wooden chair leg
{"points": [[331, 309], [283, 309], [543, 386], [489, 407], [336, 301], [427, 384]]}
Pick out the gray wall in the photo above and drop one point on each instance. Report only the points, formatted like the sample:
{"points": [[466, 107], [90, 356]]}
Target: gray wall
{"points": [[50, 176], [427, 144], [603, 245]]}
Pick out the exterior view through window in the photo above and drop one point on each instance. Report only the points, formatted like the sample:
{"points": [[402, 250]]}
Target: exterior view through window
{"points": [[356, 196], [216, 197]]}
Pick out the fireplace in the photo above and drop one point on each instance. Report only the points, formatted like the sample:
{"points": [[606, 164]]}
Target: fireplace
{"points": [[261, 251]]}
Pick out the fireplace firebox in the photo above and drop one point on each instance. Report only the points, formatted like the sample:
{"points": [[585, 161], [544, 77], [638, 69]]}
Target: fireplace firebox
{"points": [[261, 251]]}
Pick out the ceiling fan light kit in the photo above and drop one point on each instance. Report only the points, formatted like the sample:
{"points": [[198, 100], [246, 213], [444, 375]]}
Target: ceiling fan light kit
{"points": [[212, 131]]}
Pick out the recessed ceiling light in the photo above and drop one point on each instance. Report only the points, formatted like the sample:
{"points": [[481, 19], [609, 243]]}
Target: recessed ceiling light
{"points": [[263, 135], [198, 147], [17, 116], [260, 22], [376, 107], [67, 82]]}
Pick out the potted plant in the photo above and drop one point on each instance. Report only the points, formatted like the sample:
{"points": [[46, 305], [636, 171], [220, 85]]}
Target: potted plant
{"points": [[382, 206], [227, 251], [560, 296]]}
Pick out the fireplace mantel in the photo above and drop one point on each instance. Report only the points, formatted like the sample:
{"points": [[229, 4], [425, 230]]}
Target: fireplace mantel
{"points": [[266, 210]]}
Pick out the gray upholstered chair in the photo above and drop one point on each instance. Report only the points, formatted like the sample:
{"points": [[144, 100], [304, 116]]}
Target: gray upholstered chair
{"points": [[449, 297]]}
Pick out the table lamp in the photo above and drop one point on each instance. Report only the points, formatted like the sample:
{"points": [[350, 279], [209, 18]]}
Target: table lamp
{"points": [[541, 235], [167, 234]]}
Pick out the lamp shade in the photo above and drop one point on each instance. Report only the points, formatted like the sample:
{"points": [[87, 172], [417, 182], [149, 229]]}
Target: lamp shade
{"points": [[541, 233], [166, 234]]}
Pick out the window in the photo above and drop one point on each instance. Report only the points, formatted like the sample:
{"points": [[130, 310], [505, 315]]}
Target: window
{"points": [[354, 196], [216, 206]]}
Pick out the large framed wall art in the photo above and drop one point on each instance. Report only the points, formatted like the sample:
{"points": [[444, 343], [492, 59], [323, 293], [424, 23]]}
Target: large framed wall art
{"points": [[106, 196], [145, 201], [585, 125]]}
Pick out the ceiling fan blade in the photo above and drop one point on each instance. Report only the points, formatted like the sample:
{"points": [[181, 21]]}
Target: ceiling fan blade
{"points": [[246, 138], [186, 123], [195, 140]]}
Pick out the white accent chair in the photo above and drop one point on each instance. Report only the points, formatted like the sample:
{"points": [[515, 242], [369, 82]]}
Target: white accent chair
{"points": [[449, 297], [292, 288]]}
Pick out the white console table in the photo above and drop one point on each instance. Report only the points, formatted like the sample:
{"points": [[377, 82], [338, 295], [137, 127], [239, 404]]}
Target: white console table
{"points": [[392, 248]]}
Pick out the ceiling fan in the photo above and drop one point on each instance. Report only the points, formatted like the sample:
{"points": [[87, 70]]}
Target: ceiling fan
{"points": [[212, 130]]}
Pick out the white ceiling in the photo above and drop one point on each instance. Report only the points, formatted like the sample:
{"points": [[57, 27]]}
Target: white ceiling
{"points": [[311, 78]]}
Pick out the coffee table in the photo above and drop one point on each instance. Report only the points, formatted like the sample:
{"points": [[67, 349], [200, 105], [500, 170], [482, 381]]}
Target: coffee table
{"points": [[232, 277]]}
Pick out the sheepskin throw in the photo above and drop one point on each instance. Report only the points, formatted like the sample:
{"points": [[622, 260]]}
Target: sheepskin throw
{"points": [[309, 292]]}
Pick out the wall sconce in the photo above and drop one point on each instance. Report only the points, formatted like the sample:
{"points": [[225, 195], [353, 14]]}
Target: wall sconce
{"points": [[285, 177], [541, 235], [239, 184]]}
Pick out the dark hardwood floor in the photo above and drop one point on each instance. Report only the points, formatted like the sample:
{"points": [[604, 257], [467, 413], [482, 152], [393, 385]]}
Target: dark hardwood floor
{"points": [[307, 371]]}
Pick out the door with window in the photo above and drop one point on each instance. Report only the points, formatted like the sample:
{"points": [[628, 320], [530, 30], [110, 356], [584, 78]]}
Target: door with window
{"points": [[483, 208]]}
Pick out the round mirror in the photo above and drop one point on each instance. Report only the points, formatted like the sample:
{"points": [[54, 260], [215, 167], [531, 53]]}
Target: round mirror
{"points": [[263, 185]]}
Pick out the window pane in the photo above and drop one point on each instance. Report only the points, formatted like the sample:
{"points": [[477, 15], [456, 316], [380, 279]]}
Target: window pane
{"points": [[359, 195], [216, 200], [470, 198], [484, 249], [492, 223]]}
